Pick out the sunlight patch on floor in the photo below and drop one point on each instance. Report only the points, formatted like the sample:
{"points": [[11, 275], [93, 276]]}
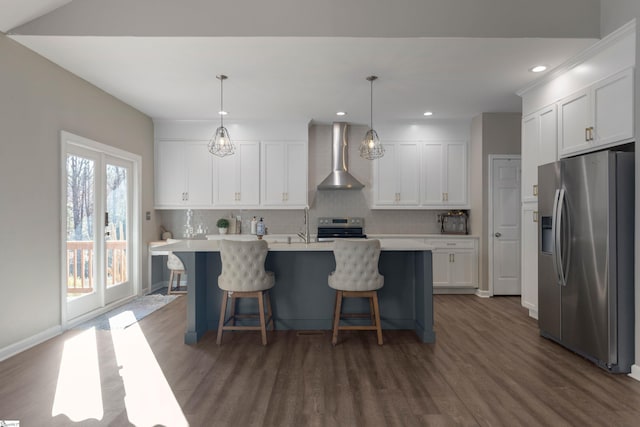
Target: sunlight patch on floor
{"points": [[149, 399], [78, 391]]}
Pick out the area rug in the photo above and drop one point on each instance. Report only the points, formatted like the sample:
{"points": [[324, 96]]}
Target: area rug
{"points": [[128, 314]]}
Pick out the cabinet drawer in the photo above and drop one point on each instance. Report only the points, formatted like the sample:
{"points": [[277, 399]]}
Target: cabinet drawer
{"points": [[452, 244]]}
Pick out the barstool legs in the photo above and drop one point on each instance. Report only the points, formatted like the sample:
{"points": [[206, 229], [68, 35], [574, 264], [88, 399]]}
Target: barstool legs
{"points": [[374, 314], [264, 320]]}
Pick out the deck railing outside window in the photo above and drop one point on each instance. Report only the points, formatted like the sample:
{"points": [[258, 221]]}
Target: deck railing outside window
{"points": [[80, 265]]}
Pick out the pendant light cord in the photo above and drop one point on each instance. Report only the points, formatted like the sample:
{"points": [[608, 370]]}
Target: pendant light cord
{"points": [[371, 80], [221, 102]]}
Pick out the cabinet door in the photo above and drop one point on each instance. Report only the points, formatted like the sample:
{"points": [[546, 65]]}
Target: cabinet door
{"points": [[273, 176], [456, 178], [248, 180], [198, 165], [226, 179], [408, 172], [530, 152], [548, 144], [441, 268], [432, 173], [573, 123], [237, 177], [573, 118], [463, 268], [529, 254], [386, 188], [296, 174], [613, 109], [170, 175]]}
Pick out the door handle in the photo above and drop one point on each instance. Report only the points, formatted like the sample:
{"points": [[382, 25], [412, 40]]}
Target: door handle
{"points": [[498, 234]]}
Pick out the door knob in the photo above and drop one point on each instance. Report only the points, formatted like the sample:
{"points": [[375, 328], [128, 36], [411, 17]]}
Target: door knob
{"points": [[498, 234]]}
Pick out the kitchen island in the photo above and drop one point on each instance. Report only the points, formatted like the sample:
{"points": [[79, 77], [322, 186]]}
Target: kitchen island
{"points": [[301, 297]]}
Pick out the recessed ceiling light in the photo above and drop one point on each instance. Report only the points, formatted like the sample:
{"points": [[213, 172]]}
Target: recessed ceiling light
{"points": [[538, 68], [341, 113], [222, 113], [428, 113]]}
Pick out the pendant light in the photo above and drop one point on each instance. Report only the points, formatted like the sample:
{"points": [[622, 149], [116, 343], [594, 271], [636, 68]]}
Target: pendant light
{"points": [[370, 148], [220, 144]]}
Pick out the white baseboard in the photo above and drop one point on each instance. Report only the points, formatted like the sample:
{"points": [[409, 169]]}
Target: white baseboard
{"points": [[533, 313], [483, 294], [27, 343], [455, 291], [635, 372], [98, 312]]}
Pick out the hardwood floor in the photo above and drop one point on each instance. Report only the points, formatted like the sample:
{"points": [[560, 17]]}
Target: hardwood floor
{"points": [[489, 367]]}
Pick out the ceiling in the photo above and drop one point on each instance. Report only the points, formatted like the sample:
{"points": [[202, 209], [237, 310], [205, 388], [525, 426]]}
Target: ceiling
{"points": [[302, 78]]}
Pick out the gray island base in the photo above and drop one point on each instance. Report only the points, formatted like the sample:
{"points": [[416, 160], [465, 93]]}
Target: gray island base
{"points": [[301, 297]]}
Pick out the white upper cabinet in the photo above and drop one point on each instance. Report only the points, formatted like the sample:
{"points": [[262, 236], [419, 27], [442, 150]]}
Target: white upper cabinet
{"points": [[539, 146], [444, 174], [598, 116], [284, 175], [397, 175], [237, 177], [427, 175], [456, 174], [182, 175], [548, 142], [530, 151]]}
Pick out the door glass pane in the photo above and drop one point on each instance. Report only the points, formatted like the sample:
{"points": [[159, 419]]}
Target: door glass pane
{"points": [[116, 225], [80, 264]]}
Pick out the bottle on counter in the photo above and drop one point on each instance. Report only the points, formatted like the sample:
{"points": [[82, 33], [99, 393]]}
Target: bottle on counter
{"points": [[260, 229], [254, 225]]}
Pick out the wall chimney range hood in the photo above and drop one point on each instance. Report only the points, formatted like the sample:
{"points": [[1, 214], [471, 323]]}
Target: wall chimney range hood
{"points": [[340, 178]]}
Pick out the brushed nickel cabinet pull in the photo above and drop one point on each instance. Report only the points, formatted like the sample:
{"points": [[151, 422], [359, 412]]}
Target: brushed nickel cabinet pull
{"points": [[535, 189], [535, 216]]}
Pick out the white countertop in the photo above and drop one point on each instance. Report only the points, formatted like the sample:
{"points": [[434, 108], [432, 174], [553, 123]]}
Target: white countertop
{"points": [[387, 244]]}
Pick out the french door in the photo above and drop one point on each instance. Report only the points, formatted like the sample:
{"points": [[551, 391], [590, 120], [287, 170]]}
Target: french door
{"points": [[97, 256]]}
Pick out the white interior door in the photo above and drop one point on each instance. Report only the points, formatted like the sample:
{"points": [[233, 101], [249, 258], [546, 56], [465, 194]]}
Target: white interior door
{"points": [[505, 185], [97, 265]]}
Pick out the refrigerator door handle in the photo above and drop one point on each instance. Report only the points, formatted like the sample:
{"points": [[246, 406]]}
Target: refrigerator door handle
{"points": [[558, 240], [554, 232]]}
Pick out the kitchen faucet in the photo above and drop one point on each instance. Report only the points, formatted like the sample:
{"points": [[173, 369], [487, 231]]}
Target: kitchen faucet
{"points": [[305, 235]]}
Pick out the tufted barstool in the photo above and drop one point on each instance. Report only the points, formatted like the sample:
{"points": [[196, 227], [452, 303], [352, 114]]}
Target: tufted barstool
{"points": [[356, 276], [176, 269], [243, 276]]}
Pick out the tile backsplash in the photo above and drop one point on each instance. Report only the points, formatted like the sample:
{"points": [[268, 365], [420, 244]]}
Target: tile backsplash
{"points": [[292, 221]]}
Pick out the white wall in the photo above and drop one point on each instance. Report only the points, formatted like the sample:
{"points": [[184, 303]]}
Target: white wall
{"points": [[614, 14], [353, 18], [39, 99], [491, 133]]}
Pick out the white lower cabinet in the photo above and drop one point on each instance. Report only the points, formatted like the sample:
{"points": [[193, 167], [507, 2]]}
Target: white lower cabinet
{"points": [[455, 263], [529, 254]]}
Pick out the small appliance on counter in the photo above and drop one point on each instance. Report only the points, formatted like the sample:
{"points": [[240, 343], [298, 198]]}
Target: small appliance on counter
{"points": [[454, 222], [330, 229]]}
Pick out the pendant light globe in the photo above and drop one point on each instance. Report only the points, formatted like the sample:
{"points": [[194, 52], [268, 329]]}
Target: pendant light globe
{"points": [[370, 147], [220, 144]]}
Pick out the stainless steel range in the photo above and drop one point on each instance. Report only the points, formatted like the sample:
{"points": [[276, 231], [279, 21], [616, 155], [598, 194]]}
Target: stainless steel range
{"points": [[330, 229]]}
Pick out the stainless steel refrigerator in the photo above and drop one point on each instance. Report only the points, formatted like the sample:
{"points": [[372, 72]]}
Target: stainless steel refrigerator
{"points": [[585, 256]]}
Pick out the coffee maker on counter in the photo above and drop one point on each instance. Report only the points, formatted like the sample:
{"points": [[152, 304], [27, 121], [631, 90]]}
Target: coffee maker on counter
{"points": [[454, 222]]}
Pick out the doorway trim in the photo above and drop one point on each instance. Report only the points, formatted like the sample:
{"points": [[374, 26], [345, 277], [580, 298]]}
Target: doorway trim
{"points": [[493, 157], [69, 139]]}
